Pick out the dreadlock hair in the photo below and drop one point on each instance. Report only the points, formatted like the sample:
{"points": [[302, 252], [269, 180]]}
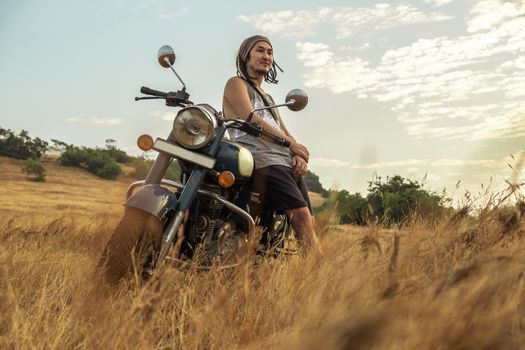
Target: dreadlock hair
{"points": [[244, 54]]}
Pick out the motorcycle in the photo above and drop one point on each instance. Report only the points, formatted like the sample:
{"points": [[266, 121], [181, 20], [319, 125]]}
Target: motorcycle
{"points": [[209, 213]]}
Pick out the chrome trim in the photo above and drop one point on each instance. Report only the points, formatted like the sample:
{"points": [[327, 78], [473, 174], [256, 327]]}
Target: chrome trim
{"points": [[204, 109], [227, 204], [289, 103], [172, 229], [182, 153]]}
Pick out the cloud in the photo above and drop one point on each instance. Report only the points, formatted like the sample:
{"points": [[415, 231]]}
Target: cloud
{"points": [[391, 164], [94, 120], [164, 115], [443, 87], [160, 9], [181, 12], [497, 166], [438, 2], [347, 19], [287, 23], [488, 163], [489, 14], [324, 162]]}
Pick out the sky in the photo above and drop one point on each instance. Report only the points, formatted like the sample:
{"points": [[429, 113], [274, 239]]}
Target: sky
{"points": [[432, 90]]}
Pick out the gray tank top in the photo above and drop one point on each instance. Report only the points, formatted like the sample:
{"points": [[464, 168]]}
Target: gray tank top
{"points": [[265, 153]]}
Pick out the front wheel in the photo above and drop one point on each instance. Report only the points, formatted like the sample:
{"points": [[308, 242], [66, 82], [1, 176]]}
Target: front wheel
{"points": [[134, 243]]}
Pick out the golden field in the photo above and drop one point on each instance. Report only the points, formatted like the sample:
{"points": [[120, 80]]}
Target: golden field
{"points": [[454, 283]]}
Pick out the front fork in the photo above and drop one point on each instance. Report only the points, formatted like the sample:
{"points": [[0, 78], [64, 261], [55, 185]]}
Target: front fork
{"points": [[188, 193]]}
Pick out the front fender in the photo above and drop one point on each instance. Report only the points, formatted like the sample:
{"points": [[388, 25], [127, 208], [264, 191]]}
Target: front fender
{"points": [[153, 199]]}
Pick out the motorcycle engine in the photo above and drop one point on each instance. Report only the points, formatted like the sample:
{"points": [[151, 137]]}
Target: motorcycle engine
{"points": [[213, 232]]}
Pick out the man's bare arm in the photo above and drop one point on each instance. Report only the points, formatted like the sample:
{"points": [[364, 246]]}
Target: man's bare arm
{"points": [[237, 104], [283, 126]]}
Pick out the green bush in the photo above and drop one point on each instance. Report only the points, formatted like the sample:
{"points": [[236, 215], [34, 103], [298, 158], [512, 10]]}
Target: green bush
{"points": [[397, 198], [142, 166], [21, 146], [100, 163], [352, 208], [96, 161], [313, 184], [34, 169], [73, 156], [173, 172], [392, 202], [119, 155]]}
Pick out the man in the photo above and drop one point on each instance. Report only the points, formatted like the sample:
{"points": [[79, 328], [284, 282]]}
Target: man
{"points": [[278, 170]]}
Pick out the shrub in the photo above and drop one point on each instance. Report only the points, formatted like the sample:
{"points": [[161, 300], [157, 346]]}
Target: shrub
{"points": [[352, 208], [142, 167], [100, 163], [34, 169], [96, 161], [392, 202], [21, 146], [73, 156], [119, 155], [397, 198], [173, 172]]}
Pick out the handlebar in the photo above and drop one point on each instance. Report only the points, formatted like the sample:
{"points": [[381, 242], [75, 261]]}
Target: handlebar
{"points": [[148, 91], [256, 130], [173, 99]]}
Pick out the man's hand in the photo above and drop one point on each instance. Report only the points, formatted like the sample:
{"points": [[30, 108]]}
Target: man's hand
{"points": [[300, 150], [299, 165]]}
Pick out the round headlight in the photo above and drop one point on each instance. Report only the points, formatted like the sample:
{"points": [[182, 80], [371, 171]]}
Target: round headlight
{"points": [[194, 127]]}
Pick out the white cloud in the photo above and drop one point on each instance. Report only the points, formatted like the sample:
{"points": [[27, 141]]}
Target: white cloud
{"points": [[488, 14], [164, 115], [73, 119], [441, 87], [427, 165], [324, 162], [94, 120], [160, 9], [391, 164], [381, 16], [447, 162], [347, 19], [438, 2], [287, 23], [181, 12]]}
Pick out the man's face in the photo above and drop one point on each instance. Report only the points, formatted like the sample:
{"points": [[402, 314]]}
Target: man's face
{"points": [[260, 59]]}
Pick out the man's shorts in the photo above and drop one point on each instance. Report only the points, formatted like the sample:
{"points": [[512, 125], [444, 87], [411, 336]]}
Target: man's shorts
{"points": [[280, 189]]}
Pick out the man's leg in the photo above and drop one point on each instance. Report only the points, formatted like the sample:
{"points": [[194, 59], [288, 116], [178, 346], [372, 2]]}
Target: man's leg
{"points": [[302, 223]]}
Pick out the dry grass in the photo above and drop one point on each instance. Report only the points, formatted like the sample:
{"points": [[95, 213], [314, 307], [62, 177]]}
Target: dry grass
{"points": [[456, 283]]}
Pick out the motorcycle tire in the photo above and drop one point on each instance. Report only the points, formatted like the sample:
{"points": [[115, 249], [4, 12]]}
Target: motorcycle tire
{"points": [[134, 243]]}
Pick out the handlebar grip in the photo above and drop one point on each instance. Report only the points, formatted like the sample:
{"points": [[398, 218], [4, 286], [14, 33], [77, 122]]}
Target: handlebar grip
{"points": [[148, 91]]}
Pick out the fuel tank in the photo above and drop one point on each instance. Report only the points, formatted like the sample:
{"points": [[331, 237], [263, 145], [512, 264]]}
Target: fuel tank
{"points": [[231, 157], [237, 159]]}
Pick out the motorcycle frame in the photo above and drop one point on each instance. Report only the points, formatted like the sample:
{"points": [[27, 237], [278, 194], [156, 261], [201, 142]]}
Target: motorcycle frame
{"points": [[160, 206]]}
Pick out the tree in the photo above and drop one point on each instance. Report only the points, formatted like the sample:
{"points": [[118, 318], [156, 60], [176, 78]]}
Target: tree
{"points": [[352, 208], [21, 146], [313, 184], [397, 198]]}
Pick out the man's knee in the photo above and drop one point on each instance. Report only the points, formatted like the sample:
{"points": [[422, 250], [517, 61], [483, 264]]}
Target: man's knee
{"points": [[301, 215]]}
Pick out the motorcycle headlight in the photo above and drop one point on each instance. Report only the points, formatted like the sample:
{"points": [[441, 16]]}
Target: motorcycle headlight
{"points": [[194, 127]]}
